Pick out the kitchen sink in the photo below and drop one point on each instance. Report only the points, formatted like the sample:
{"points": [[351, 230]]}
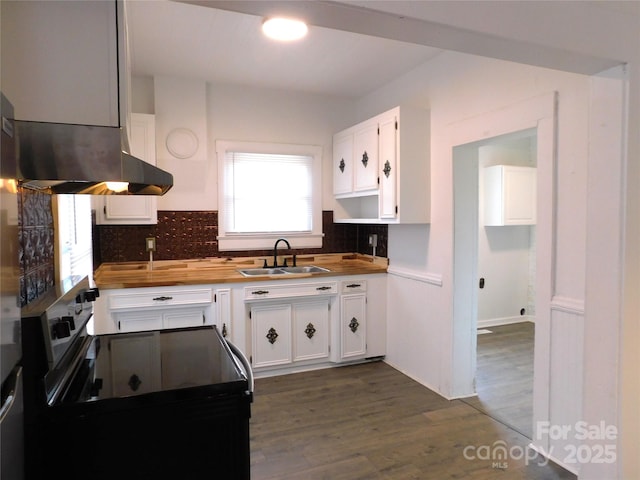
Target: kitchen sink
{"points": [[258, 272], [305, 269]]}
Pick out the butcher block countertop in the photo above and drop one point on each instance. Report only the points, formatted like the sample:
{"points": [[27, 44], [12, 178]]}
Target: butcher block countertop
{"points": [[225, 270]]}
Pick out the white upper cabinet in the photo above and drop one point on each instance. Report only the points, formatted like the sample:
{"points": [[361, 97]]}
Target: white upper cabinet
{"points": [[61, 61], [386, 177], [365, 157], [343, 163], [509, 195], [133, 209], [388, 168]]}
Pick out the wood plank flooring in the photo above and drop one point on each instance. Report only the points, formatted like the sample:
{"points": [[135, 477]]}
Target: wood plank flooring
{"points": [[372, 422], [504, 375]]}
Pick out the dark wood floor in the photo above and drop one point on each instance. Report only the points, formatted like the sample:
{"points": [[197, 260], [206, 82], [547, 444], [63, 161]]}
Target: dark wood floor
{"points": [[372, 422], [504, 376]]}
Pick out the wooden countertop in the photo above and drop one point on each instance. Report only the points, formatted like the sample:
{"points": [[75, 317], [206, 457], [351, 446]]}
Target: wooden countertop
{"points": [[225, 270]]}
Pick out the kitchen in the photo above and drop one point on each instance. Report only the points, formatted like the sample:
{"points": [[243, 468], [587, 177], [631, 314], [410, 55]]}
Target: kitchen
{"points": [[421, 254]]}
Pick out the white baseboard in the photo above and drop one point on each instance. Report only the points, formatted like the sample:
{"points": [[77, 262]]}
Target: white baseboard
{"points": [[496, 322]]}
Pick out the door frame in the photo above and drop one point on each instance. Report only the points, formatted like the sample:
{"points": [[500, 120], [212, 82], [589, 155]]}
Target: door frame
{"points": [[539, 113]]}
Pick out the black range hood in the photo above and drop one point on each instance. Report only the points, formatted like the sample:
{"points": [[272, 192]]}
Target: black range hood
{"points": [[80, 159]]}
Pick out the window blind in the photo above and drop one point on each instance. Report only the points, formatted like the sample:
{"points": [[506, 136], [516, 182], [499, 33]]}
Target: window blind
{"points": [[266, 192], [74, 236]]}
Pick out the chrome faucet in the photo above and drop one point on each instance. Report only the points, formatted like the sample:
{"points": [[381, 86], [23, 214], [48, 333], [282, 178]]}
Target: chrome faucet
{"points": [[275, 254]]}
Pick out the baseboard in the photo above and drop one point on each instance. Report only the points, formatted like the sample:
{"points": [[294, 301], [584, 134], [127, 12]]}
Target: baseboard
{"points": [[496, 322]]}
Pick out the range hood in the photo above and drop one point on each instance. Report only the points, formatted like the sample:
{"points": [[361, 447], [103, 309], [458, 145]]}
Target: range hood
{"points": [[67, 158]]}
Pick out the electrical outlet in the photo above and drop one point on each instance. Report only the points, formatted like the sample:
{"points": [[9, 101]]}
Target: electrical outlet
{"points": [[373, 240], [150, 243]]}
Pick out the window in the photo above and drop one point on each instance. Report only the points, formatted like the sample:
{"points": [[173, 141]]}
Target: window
{"points": [[73, 231], [268, 191]]}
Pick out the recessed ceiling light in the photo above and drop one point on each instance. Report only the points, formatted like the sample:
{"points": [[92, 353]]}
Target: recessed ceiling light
{"points": [[284, 29]]}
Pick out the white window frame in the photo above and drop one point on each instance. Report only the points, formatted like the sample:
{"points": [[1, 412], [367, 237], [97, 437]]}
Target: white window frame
{"points": [[261, 241]]}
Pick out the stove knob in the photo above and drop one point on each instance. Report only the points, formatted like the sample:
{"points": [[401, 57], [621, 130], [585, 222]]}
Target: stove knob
{"points": [[96, 387], [91, 295], [61, 330], [69, 319]]}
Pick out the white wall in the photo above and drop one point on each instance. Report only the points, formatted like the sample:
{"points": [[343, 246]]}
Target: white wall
{"points": [[226, 112], [505, 253], [267, 115], [181, 111], [445, 88]]}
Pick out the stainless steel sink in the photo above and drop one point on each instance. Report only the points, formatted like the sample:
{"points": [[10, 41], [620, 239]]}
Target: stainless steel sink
{"points": [[305, 269], [257, 272], [262, 272]]}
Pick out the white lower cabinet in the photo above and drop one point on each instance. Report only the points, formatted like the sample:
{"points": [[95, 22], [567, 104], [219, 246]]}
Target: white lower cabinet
{"points": [[311, 330], [284, 333], [353, 326], [296, 326], [141, 372], [146, 309], [271, 339]]}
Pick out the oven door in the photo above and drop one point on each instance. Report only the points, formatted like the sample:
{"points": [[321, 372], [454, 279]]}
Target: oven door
{"points": [[159, 404]]}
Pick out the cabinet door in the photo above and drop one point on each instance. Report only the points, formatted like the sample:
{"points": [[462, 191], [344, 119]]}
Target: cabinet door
{"points": [[342, 164], [139, 321], [135, 364], [184, 317], [311, 330], [63, 60], [354, 325], [388, 167], [365, 147], [223, 311], [139, 209], [271, 334], [509, 195], [519, 196]]}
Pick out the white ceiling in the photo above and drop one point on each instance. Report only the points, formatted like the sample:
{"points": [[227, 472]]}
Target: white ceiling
{"points": [[219, 46]]}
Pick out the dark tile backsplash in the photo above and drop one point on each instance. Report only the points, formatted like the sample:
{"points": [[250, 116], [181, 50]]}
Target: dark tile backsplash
{"points": [[182, 235], [36, 244], [179, 235]]}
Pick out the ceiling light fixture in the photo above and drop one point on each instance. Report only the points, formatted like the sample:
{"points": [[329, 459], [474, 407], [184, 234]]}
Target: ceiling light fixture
{"points": [[284, 29]]}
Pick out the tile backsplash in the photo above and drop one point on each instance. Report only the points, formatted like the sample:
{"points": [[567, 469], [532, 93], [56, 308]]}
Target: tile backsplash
{"points": [[182, 234], [36, 244]]}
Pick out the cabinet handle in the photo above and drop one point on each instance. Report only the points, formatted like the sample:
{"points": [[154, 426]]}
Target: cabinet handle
{"points": [[353, 325], [260, 292], [162, 299], [272, 335], [310, 331], [365, 159], [224, 330], [354, 285], [387, 169], [134, 382], [323, 288], [341, 165]]}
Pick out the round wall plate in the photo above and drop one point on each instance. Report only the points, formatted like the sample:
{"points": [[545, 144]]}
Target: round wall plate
{"points": [[182, 143]]}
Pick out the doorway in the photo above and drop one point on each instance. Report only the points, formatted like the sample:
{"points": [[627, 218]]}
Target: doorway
{"points": [[496, 178], [531, 123]]}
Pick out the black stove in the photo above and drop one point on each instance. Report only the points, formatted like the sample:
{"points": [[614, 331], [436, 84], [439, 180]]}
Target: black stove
{"points": [[160, 404]]}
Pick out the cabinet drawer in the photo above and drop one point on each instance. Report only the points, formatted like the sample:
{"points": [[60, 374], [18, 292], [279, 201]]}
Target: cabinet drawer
{"points": [[262, 292], [161, 298], [353, 286]]}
